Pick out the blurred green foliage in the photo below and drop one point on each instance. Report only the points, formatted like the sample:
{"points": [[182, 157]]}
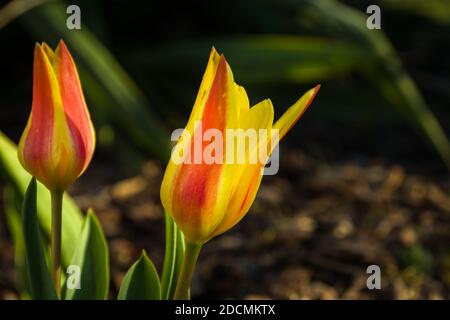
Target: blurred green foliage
{"points": [[436, 10], [417, 257], [18, 179], [269, 44]]}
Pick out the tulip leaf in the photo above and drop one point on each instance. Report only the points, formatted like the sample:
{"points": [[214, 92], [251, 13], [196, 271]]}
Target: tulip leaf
{"points": [[141, 281], [436, 10], [88, 273], [12, 205], [11, 168], [388, 73], [174, 252], [38, 273], [289, 58]]}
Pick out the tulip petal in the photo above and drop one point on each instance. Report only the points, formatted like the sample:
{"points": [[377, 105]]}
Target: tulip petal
{"points": [[195, 202], [242, 199], [246, 178], [48, 51], [58, 141], [291, 116], [36, 147], [196, 194], [196, 114], [205, 87], [77, 114], [244, 103], [260, 116]]}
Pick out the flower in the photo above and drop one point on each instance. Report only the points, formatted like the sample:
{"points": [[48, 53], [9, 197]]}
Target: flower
{"points": [[59, 139], [207, 198]]}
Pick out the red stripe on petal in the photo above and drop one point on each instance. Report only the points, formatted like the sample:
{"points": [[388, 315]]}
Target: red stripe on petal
{"points": [[37, 149], [74, 105], [195, 186]]}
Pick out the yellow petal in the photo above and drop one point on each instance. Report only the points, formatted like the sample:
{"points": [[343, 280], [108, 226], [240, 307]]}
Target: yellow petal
{"points": [[244, 103], [44, 144], [182, 144], [78, 121], [48, 51], [243, 180], [291, 116], [205, 87], [194, 192]]}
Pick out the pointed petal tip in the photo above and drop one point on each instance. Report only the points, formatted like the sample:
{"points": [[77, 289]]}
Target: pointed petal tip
{"points": [[62, 45], [37, 47], [48, 51], [314, 90], [267, 100], [214, 55], [295, 112], [43, 50], [39, 52], [44, 45], [312, 94], [222, 66]]}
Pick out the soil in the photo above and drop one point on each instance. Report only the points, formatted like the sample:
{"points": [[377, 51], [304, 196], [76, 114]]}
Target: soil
{"points": [[311, 233]]}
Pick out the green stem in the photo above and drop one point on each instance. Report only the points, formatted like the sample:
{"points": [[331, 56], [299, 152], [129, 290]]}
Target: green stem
{"points": [[187, 269], [169, 257], [57, 198]]}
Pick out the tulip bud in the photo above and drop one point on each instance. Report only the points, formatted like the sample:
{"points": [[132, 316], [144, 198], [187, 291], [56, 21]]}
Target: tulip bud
{"points": [[59, 139], [208, 198]]}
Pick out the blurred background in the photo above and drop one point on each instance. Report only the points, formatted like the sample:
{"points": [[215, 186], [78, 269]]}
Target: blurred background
{"points": [[364, 175]]}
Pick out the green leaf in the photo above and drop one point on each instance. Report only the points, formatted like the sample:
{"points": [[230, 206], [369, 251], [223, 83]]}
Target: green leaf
{"points": [[11, 168], [387, 74], [13, 204], [173, 257], [40, 282], [262, 58], [436, 10], [141, 282], [92, 258]]}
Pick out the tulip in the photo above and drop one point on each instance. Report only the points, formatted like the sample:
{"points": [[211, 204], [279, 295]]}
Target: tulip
{"points": [[59, 139], [207, 199]]}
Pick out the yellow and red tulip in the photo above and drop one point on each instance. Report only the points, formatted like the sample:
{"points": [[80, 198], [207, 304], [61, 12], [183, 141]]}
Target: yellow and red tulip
{"points": [[59, 139], [206, 200]]}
